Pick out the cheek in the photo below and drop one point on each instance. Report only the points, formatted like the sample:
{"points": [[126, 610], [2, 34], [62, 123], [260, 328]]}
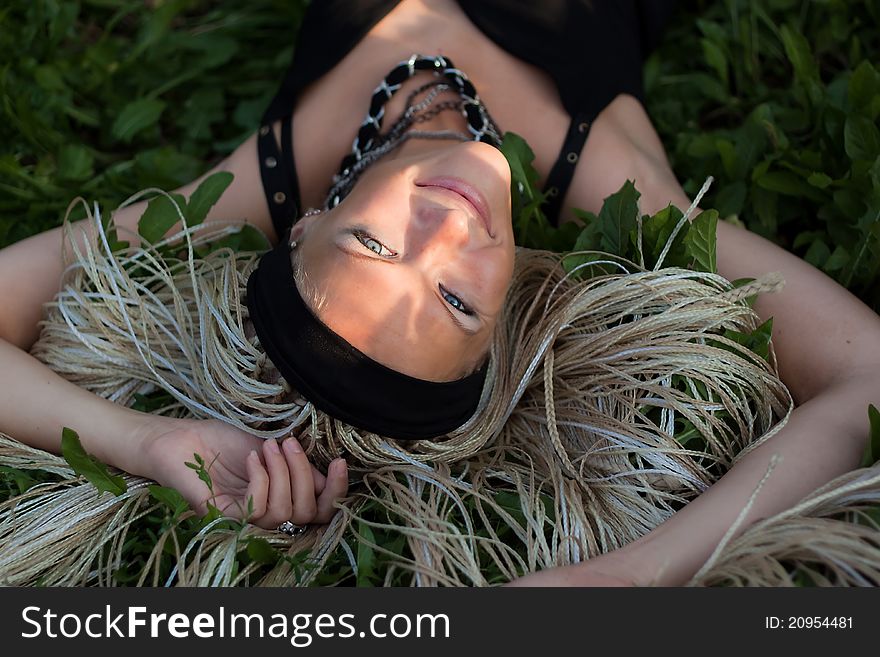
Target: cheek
{"points": [[384, 196], [497, 274]]}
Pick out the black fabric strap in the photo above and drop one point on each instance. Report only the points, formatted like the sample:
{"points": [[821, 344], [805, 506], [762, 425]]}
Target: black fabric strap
{"points": [[288, 166], [278, 175], [340, 380], [562, 172]]}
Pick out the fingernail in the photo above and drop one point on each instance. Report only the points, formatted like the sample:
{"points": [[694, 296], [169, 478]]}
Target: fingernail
{"points": [[273, 446], [339, 465], [293, 445]]}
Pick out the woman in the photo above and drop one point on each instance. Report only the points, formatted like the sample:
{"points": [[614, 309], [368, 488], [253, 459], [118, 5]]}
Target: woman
{"points": [[411, 257]]}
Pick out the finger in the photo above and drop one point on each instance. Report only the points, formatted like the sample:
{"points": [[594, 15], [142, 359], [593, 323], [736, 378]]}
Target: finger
{"points": [[302, 483], [258, 485], [279, 505], [320, 480], [335, 490]]}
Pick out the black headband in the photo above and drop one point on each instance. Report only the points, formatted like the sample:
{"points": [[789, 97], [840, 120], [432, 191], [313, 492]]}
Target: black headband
{"points": [[340, 380]]}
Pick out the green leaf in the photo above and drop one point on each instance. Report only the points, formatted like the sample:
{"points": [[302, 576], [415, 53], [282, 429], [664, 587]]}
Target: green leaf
{"points": [[864, 85], [109, 228], [212, 514], [171, 498], [617, 218], [579, 262], [261, 551], [758, 341], [205, 196], [850, 202], [783, 182], [201, 111], [727, 153], [75, 162], [861, 138], [715, 58], [807, 237], [216, 49], [49, 79], [872, 450], [201, 470], [135, 117], [531, 227], [86, 465], [751, 142], [160, 215], [656, 231], [874, 173], [23, 480], [520, 157], [731, 199], [587, 240], [564, 237], [366, 555], [806, 70], [818, 253], [687, 433], [152, 402], [247, 238], [700, 241], [165, 167], [837, 260], [820, 180], [739, 282]]}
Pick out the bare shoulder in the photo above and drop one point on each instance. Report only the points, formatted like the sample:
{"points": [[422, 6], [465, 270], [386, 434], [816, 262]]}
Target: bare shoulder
{"points": [[623, 145]]}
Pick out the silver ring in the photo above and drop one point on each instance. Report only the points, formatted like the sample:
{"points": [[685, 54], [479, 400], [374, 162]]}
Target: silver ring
{"points": [[291, 529]]}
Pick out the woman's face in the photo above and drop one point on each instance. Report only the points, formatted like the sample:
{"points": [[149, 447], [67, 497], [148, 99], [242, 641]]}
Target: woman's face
{"points": [[415, 263]]}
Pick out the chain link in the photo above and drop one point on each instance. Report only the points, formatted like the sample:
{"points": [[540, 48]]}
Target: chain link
{"points": [[370, 145]]}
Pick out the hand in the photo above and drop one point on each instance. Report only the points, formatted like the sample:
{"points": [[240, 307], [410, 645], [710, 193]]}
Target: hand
{"points": [[278, 478]]}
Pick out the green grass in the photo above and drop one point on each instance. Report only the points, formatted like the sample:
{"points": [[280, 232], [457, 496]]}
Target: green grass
{"points": [[777, 99], [102, 98]]}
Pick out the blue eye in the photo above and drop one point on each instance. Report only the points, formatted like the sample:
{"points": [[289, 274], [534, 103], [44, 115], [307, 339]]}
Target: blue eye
{"points": [[374, 245], [455, 302]]}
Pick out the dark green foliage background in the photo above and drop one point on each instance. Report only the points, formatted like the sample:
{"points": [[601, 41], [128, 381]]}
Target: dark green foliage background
{"points": [[777, 99], [102, 98]]}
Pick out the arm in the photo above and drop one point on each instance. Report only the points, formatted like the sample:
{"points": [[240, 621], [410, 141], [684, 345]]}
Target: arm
{"points": [[828, 350], [37, 403]]}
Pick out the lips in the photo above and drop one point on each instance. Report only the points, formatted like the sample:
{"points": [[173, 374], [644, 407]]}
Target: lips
{"points": [[467, 191]]}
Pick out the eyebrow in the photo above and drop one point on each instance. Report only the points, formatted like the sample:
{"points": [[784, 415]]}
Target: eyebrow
{"points": [[363, 256]]}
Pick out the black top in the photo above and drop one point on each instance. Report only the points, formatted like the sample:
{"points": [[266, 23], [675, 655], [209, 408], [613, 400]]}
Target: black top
{"points": [[592, 49]]}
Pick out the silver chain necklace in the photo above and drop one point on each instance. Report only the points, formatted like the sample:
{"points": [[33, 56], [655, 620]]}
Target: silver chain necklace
{"points": [[369, 145]]}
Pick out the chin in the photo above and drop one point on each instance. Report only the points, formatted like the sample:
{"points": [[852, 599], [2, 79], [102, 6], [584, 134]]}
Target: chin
{"points": [[483, 165]]}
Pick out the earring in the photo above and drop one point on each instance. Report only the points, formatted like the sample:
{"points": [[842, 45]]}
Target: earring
{"points": [[308, 213]]}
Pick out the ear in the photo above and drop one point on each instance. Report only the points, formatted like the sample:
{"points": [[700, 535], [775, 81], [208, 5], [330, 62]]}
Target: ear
{"points": [[297, 231], [301, 228]]}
